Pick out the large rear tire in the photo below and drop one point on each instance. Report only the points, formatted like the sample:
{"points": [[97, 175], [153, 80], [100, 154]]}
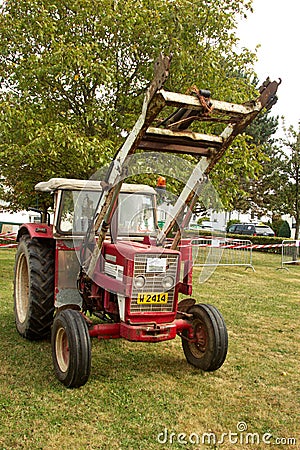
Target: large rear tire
{"points": [[34, 287], [71, 348], [208, 348]]}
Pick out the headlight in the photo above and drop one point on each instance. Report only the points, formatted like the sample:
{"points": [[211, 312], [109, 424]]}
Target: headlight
{"points": [[168, 282], [139, 281]]}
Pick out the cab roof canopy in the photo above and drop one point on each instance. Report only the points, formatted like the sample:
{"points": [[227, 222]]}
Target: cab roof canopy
{"points": [[55, 184]]}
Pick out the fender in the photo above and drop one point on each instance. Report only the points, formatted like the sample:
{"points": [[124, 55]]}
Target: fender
{"points": [[36, 230]]}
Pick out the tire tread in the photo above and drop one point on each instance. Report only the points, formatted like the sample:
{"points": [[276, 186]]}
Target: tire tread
{"points": [[218, 341], [79, 341], [40, 258]]}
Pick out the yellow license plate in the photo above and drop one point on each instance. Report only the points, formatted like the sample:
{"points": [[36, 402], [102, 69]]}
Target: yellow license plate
{"points": [[151, 298]]}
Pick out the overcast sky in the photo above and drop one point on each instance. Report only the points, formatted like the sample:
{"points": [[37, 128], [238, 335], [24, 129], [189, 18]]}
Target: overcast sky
{"points": [[275, 25]]}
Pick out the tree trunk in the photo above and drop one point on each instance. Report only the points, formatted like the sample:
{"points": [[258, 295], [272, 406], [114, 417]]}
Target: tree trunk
{"points": [[297, 200], [297, 227]]}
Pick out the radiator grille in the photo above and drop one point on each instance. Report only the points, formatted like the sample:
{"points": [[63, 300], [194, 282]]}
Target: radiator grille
{"points": [[153, 282]]}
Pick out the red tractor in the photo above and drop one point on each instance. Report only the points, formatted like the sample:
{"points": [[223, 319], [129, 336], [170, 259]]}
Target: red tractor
{"points": [[104, 269]]}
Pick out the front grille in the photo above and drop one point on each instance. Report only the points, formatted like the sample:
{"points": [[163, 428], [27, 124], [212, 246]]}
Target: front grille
{"points": [[153, 282]]}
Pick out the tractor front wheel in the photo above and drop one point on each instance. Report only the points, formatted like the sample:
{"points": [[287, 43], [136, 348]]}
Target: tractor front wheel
{"points": [[207, 349], [71, 348]]}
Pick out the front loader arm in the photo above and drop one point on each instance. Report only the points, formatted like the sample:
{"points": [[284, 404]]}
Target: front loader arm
{"points": [[113, 183], [172, 135], [212, 149]]}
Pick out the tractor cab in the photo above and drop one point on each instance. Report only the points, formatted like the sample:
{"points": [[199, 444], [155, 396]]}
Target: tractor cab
{"points": [[76, 203]]}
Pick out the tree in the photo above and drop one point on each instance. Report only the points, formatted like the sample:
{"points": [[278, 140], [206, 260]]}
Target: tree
{"points": [[72, 74], [284, 230], [262, 133], [288, 191], [279, 185]]}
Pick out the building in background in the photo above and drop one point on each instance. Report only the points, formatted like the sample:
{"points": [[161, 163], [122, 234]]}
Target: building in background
{"points": [[10, 221]]}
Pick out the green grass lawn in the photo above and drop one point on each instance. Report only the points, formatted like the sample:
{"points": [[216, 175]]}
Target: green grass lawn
{"points": [[138, 391]]}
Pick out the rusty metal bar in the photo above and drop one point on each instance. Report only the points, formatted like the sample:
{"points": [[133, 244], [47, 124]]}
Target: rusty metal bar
{"points": [[186, 141], [218, 107], [266, 98], [174, 148]]}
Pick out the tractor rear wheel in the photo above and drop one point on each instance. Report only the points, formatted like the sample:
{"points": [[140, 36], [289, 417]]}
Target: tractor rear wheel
{"points": [[71, 348], [208, 348], [34, 287]]}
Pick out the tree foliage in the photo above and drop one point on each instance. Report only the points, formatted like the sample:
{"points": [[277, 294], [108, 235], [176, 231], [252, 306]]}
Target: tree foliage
{"points": [[72, 74], [278, 188], [286, 193], [284, 230], [253, 184]]}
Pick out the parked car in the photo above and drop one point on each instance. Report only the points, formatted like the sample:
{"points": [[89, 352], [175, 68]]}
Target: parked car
{"points": [[250, 229], [201, 226]]}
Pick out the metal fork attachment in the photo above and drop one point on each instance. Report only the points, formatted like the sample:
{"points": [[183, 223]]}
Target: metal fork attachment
{"points": [[173, 134]]}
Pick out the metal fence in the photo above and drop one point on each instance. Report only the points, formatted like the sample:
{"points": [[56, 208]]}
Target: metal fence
{"points": [[212, 252], [290, 253], [8, 240]]}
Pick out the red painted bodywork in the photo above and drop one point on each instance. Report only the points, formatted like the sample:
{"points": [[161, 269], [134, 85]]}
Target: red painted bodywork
{"points": [[36, 230], [137, 326], [185, 248], [145, 333], [123, 254], [140, 326]]}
